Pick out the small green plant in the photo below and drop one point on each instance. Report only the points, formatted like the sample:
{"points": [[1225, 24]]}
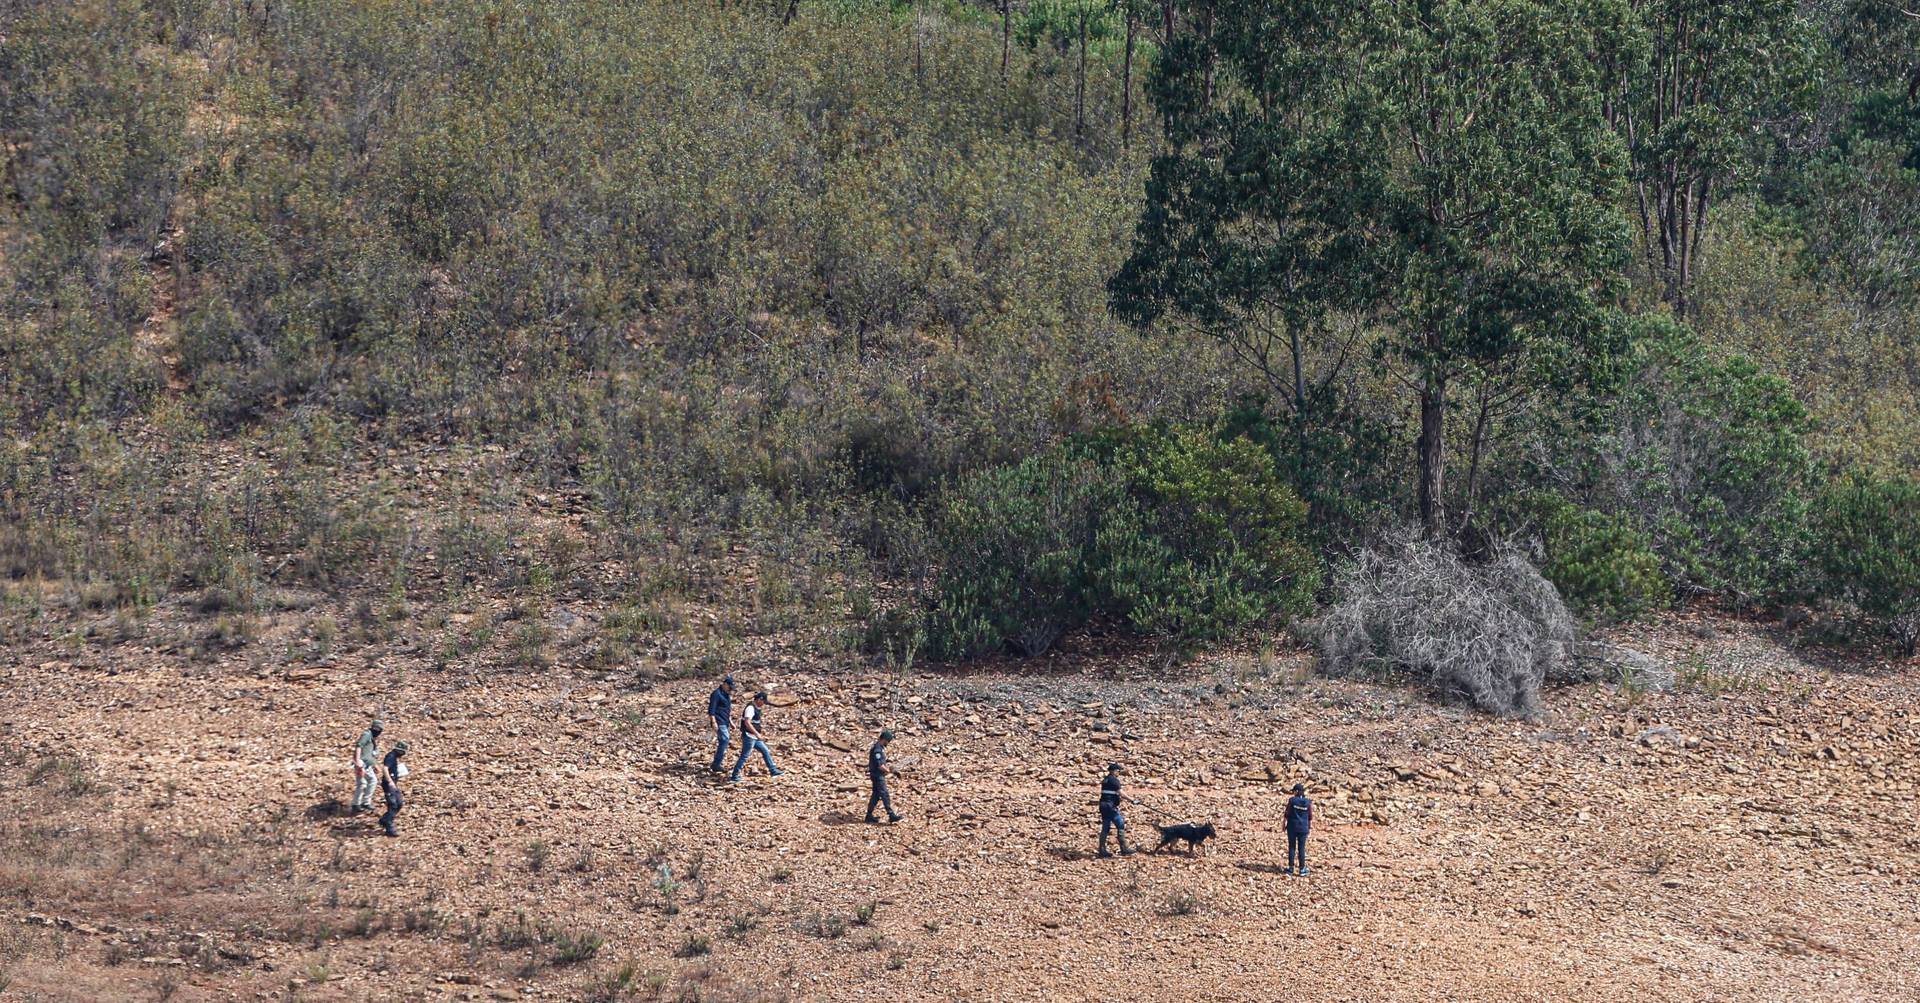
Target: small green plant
{"points": [[668, 887], [830, 926], [538, 852], [863, 913], [571, 947], [740, 925], [1182, 903], [696, 945]]}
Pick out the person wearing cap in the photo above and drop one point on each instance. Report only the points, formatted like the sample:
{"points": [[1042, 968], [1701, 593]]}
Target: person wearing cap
{"points": [[366, 763], [720, 712], [1299, 820], [751, 738], [877, 770], [390, 778], [1110, 818]]}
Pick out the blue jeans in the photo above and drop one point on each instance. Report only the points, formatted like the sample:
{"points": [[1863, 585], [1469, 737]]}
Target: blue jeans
{"points": [[1108, 823], [748, 744], [1296, 850], [725, 735]]}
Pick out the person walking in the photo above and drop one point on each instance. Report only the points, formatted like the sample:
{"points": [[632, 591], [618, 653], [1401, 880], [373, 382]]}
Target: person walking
{"points": [[390, 778], [1299, 821], [720, 712], [752, 739], [877, 770], [366, 765], [1110, 818]]}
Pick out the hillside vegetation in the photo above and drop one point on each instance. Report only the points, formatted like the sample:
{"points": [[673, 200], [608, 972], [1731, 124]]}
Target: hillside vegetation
{"points": [[905, 331]]}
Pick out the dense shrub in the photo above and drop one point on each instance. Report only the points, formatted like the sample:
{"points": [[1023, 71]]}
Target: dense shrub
{"points": [[1490, 633], [1173, 532], [1600, 564], [1708, 458], [1868, 533], [1217, 546], [1017, 557]]}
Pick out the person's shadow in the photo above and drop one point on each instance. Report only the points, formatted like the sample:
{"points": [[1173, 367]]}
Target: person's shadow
{"points": [[1063, 853], [327, 810], [841, 818], [1261, 868]]}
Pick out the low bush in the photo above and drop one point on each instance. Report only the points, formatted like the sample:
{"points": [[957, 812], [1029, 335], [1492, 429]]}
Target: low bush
{"points": [[1601, 564], [1708, 457], [1491, 633], [1016, 553], [1868, 540], [1174, 532]]}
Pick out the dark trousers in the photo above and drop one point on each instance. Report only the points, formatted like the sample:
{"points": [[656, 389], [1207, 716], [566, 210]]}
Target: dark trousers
{"points": [[394, 804], [1296, 850], [879, 797]]}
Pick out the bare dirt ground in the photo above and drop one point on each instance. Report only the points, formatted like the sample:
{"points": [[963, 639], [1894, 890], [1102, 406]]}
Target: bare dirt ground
{"points": [[174, 834]]}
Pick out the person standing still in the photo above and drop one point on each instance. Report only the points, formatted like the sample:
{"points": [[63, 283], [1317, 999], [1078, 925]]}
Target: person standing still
{"points": [[1299, 821], [720, 712], [1110, 818], [366, 765], [877, 770], [390, 778], [751, 739]]}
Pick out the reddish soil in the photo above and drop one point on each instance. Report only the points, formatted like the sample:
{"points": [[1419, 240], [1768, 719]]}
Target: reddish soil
{"points": [[1748, 836]]}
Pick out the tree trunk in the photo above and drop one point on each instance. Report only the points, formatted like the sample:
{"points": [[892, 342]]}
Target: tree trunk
{"points": [[793, 7], [1433, 412], [1126, 88], [1207, 32], [1006, 35], [1080, 82]]}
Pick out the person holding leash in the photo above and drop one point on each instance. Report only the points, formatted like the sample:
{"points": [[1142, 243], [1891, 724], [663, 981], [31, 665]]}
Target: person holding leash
{"points": [[1110, 818]]}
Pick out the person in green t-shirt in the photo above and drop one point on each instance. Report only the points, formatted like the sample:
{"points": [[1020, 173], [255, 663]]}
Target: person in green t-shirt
{"points": [[366, 765]]}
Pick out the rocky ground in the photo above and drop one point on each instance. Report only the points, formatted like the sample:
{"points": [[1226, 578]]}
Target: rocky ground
{"points": [[176, 833]]}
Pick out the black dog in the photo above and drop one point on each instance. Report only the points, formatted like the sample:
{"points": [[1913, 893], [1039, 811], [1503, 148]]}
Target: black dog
{"points": [[1194, 834]]}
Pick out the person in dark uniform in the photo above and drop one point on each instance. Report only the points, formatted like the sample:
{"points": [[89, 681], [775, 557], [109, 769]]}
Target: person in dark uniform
{"points": [[877, 770], [1110, 818], [390, 778], [1299, 821], [720, 712]]}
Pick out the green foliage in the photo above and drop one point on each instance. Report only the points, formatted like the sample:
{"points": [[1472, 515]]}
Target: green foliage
{"points": [[1600, 563], [1016, 552], [1868, 541], [90, 123], [1174, 532], [1688, 108], [1216, 548], [1442, 171], [1708, 457]]}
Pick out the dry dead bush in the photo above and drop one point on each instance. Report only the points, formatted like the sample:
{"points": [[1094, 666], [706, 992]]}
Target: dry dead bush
{"points": [[1491, 632]]}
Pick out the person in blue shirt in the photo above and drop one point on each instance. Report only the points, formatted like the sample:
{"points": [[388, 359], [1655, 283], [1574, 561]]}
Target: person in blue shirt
{"points": [[1110, 818], [1299, 821], [720, 712], [877, 770]]}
